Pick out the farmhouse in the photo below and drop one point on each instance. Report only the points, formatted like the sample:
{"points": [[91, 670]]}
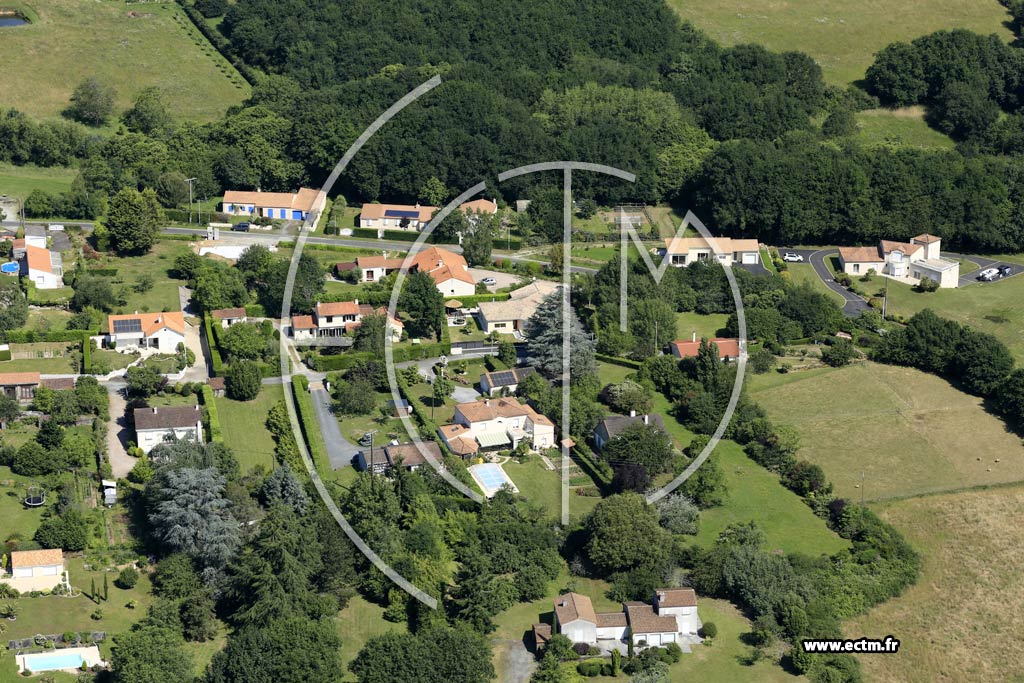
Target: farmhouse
{"points": [[44, 268], [161, 331], [682, 251], [290, 206], [907, 261], [35, 570], [613, 425], [503, 381], [510, 316], [497, 424], [672, 618], [338, 318], [728, 348], [154, 426], [413, 217], [19, 385], [227, 317]]}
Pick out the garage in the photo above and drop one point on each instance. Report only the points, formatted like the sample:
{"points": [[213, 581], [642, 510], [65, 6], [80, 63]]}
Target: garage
{"points": [[750, 257]]}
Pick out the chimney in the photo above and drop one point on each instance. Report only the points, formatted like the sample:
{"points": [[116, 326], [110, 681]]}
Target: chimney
{"points": [[647, 419], [487, 402], [357, 302], [694, 338], [632, 413]]}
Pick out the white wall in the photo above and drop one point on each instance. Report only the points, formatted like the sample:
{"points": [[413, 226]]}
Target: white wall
{"points": [[44, 279], [579, 631], [455, 287], [149, 439]]}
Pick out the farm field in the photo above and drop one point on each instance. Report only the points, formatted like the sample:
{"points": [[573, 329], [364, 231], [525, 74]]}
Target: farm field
{"points": [[909, 432], [841, 36], [125, 47], [19, 181], [244, 426], [969, 544]]}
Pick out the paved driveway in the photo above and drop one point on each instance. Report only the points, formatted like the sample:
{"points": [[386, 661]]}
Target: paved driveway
{"points": [[983, 263], [340, 451], [118, 434], [816, 258], [503, 279]]}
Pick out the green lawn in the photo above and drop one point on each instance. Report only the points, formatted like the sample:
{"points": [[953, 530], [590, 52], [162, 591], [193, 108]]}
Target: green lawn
{"points": [[357, 623], [599, 252], [907, 431], [754, 493], [905, 127], [841, 36], [803, 272], [127, 47], [18, 519], [113, 359], [46, 366], [244, 427], [542, 488], [47, 319], [171, 399], [19, 181], [704, 325], [163, 295]]}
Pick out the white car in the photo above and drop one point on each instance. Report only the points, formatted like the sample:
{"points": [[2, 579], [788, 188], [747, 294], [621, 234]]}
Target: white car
{"points": [[489, 281], [988, 274], [792, 258]]}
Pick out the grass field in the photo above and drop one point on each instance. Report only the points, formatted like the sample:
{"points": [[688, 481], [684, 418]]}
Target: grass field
{"points": [[841, 36], [19, 181], [542, 488], [46, 366], [17, 518], [909, 432], [904, 127], [244, 427], [163, 296], [804, 272], [965, 615], [704, 325], [127, 47], [357, 623]]}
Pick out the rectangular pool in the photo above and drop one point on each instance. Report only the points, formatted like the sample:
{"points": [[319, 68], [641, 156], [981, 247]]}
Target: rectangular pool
{"points": [[49, 661], [491, 477]]}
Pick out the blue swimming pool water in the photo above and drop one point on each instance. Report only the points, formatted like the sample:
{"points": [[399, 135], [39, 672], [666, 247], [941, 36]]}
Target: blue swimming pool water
{"points": [[9, 267], [491, 476], [50, 661], [12, 21]]}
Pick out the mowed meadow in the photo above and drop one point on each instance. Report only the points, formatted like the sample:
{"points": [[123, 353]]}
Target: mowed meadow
{"points": [[908, 432], [127, 46]]}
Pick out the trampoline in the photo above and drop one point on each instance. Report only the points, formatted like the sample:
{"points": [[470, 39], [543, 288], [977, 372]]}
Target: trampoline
{"points": [[35, 496]]}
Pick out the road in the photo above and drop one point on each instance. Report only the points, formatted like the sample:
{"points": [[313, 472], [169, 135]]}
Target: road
{"points": [[853, 305]]}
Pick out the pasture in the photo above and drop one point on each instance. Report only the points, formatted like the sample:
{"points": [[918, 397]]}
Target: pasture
{"points": [[907, 431], [905, 127], [965, 615], [128, 47]]}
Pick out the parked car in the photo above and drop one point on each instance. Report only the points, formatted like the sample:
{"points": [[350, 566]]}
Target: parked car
{"points": [[1005, 270], [792, 258], [366, 439], [241, 227], [988, 274], [489, 281]]}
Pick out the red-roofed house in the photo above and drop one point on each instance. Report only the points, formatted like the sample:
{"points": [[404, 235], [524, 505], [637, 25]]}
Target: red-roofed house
{"points": [[162, 331], [227, 317], [43, 267], [34, 570], [728, 349], [338, 318], [672, 618], [682, 251], [496, 423], [285, 205], [413, 217], [19, 385]]}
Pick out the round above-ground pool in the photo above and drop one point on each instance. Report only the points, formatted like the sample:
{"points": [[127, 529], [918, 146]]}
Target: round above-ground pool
{"points": [[10, 268]]}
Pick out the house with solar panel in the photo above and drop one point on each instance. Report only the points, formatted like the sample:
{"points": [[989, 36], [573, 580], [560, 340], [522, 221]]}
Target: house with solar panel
{"points": [[414, 217], [503, 382], [495, 425], [161, 331], [293, 206]]}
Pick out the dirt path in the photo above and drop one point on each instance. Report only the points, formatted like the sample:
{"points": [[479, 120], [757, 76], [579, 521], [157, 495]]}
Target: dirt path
{"points": [[120, 461]]}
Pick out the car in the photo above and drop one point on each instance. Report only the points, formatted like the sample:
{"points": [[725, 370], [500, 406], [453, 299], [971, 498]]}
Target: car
{"points": [[489, 281], [1005, 270], [988, 274], [792, 258], [241, 227], [366, 439]]}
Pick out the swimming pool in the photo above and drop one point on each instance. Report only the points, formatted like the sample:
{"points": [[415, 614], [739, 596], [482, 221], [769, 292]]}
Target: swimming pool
{"points": [[48, 661], [491, 477]]}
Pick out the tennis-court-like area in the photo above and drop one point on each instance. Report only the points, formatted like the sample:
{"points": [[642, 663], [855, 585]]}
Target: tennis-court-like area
{"points": [[490, 477], [66, 660]]}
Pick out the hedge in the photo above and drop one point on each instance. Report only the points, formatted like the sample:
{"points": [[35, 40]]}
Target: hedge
{"points": [[310, 426], [102, 272], [213, 427], [343, 361], [5, 354], [617, 360], [598, 470], [477, 298], [255, 311], [32, 336], [217, 363], [219, 42], [86, 354]]}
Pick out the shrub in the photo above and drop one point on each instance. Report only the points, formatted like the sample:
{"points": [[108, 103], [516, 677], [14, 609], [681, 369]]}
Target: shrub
{"points": [[127, 579], [589, 668], [709, 630], [581, 648]]}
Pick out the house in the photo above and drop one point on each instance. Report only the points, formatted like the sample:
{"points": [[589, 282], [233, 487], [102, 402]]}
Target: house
{"points": [[375, 461], [413, 217], [162, 331], [19, 385], [229, 316], [511, 315], [154, 426], [35, 570], [44, 268], [408, 455], [503, 381], [671, 617], [613, 425], [908, 261], [682, 251], [35, 236], [449, 270], [338, 318], [728, 348], [294, 206], [496, 424], [376, 268]]}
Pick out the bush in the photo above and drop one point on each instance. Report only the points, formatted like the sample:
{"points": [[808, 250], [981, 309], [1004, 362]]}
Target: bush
{"points": [[127, 579], [244, 380], [581, 648], [709, 630], [590, 668]]}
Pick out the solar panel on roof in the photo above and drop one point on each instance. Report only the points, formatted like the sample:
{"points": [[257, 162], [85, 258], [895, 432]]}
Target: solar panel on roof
{"points": [[503, 378], [126, 326], [401, 213]]}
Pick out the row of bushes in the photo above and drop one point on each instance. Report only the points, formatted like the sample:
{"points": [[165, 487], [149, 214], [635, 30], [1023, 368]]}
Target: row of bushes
{"points": [[255, 311], [5, 354], [219, 42], [33, 336], [214, 432], [101, 272], [618, 360], [307, 420], [344, 361], [598, 470], [86, 354]]}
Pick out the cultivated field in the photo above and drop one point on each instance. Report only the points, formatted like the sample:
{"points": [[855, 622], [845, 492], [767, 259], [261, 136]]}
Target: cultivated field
{"points": [[841, 36], [907, 431], [964, 618], [129, 47]]}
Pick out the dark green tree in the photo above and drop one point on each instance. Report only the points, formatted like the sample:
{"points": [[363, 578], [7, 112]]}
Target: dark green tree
{"points": [[92, 102], [132, 220], [424, 304], [148, 114], [244, 380]]}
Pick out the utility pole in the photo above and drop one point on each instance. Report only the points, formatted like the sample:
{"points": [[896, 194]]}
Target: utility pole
{"points": [[190, 181]]}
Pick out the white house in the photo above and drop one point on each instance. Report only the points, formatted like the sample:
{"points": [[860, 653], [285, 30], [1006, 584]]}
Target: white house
{"points": [[682, 251], [338, 318], [413, 217], [162, 331], [35, 236], [35, 570], [907, 261], [227, 317], [511, 315], [44, 268], [294, 206], [496, 424], [507, 381], [154, 426], [672, 618], [376, 268], [449, 270]]}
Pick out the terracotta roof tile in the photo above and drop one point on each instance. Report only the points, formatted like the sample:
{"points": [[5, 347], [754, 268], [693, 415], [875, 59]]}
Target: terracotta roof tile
{"points": [[676, 597], [227, 313], [152, 322], [642, 619], [167, 417], [572, 606], [302, 200], [727, 348], [14, 379], [36, 558]]}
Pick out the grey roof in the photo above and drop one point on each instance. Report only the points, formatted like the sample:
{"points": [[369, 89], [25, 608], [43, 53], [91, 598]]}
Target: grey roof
{"points": [[507, 378], [167, 417], [613, 425], [35, 231]]}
